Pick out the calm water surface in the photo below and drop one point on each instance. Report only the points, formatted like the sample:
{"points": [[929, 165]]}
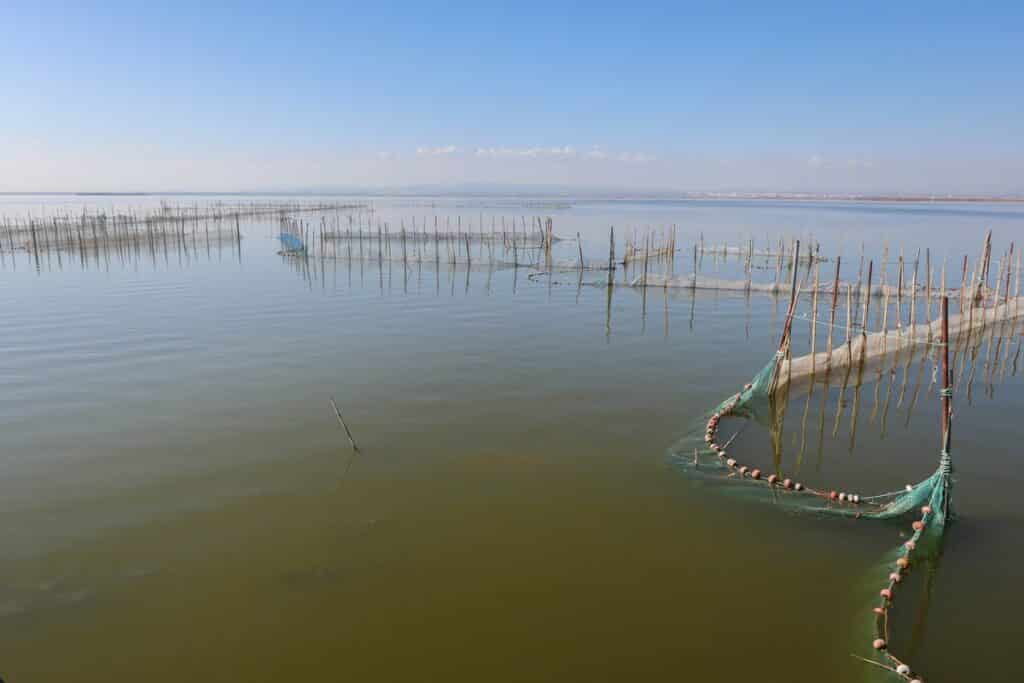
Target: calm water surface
{"points": [[173, 506]]}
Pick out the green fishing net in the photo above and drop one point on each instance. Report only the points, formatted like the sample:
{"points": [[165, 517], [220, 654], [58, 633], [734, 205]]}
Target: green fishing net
{"points": [[701, 454]]}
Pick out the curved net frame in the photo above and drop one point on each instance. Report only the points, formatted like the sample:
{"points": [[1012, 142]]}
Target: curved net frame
{"points": [[928, 501]]}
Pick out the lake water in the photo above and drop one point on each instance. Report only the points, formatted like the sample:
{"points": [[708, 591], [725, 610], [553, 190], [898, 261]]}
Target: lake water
{"points": [[175, 505]]}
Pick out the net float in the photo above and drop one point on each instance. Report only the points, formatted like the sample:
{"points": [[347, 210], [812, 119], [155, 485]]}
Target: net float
{"points": [[918, 526], [730, 462], [902, 563], [833, 495], [895, 577], [910, 545], [773, 478], [878, 610], [886, 593], [879, 644], [787, 483], [856, 499], [842, 497], [798, 486], [903, 670], [743, 470], [756, 474], [926, 510]]}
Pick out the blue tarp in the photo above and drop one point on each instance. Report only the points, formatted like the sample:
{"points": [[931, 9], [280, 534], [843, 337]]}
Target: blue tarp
{"points": [[290, 242]]}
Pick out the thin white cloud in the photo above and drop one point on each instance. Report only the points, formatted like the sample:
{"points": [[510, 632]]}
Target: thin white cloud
{"points": [[436, 151], [635, 157], [816, 161], [565, 152]]}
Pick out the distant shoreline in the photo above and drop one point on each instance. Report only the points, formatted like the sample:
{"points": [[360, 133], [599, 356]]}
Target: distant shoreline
{"points": [[567, 194], [888, 199]]}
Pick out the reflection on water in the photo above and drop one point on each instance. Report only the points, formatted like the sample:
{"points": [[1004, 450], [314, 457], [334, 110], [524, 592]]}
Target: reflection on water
{"points": [[170, 471]]}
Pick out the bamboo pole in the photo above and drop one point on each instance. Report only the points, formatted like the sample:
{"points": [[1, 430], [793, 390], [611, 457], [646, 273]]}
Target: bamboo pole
{"points": [[867, 301], [611, 256], [899, 293], [947, 391], [928, 287], [983, 280], [792, 305], [913, 297], [647, 254], [832, 312], [963, 285], [814, 317], [849, 318]]}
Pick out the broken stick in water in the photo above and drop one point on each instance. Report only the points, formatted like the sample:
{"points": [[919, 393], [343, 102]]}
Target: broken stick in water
{"points": [[341, 421]]}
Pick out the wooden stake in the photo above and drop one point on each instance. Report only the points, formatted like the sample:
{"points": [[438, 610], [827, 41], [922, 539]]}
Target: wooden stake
{"points": [[899, 293], [928, 287], [814, 315], [963, 285], [832, 313], [947, 398], [867, 303], [647, 254], [611, 256], [913, 298]]}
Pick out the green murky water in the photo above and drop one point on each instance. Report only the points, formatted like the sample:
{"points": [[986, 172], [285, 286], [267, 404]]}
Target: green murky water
{"points": [[173, 507]]}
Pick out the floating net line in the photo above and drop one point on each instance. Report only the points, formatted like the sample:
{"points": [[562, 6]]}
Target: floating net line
{"points": [[929, 500]]}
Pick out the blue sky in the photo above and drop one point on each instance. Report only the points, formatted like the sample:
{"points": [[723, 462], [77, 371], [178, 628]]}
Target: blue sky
{"points": [[188, 96]]}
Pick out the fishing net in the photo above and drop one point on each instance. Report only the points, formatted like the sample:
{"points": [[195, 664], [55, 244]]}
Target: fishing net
{"points": [[701, 453], [291, 243]]}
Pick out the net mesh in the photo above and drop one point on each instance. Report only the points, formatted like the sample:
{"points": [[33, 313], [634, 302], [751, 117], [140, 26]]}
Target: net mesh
{"points": [[700, 453], [291, 243]]}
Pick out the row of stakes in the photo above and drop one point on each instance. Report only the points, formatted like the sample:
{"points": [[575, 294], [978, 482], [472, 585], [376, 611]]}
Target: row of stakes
{"points": [[902, 563]]}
